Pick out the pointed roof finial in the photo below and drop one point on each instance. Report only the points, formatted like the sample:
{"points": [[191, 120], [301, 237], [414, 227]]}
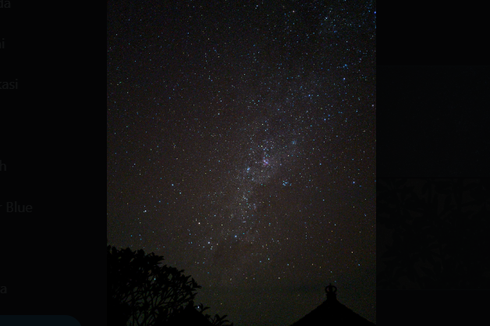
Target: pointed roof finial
{"points": [[331, 292]]}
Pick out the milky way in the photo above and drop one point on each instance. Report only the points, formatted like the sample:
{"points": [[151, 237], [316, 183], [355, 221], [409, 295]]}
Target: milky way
{"points": [[241, 147]]}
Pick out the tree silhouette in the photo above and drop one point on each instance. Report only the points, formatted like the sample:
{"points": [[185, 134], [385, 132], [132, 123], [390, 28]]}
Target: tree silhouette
{"points": [[216, 320], [143, 293], [220, 321]]}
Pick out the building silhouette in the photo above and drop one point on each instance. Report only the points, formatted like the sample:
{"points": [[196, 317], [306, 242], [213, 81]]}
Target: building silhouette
{"points": [[332, 312]]}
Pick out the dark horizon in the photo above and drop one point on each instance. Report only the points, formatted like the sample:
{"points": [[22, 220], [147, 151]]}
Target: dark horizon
{"points": [[309, 298]]}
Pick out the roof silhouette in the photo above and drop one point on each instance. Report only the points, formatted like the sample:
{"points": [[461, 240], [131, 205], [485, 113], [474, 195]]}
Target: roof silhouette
{"points": [[332, 312]]}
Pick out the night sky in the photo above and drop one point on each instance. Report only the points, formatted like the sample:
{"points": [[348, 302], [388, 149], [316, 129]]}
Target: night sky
{"points": [[241, 147]]}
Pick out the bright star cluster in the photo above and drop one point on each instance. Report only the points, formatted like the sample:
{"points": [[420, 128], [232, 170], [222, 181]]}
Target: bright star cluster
{"points": [[241, 147]]}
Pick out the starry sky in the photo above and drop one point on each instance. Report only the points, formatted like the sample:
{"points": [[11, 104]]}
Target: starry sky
{"points": [[241, 147]]}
